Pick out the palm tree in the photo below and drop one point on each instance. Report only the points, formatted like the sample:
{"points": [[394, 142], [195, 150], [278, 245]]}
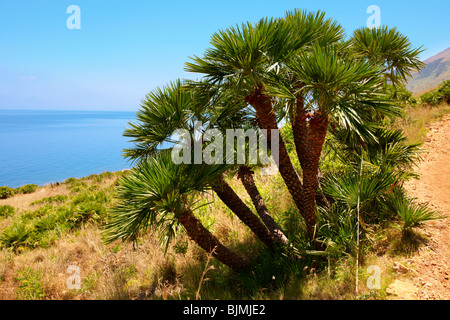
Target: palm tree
{"points": [[333, 88], [240, 60], [178, 106], [299, 66], [391, 49], [243, 212], [245, 174], [160, 194], [301, 63]]}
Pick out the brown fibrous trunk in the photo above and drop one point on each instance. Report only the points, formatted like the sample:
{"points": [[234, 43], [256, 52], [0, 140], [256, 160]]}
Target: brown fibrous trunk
{"points": [[242, 211], [208, 242]]}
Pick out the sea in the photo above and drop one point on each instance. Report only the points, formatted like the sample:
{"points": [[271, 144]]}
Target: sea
{"points": [[43, 147]]}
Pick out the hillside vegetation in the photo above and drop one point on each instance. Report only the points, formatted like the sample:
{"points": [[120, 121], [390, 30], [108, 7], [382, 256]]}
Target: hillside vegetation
{"points": [[333, 222], [45, 232], [436, 71]]}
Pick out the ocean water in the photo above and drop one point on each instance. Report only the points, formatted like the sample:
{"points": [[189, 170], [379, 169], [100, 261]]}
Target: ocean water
{"points": [[42, 147]]}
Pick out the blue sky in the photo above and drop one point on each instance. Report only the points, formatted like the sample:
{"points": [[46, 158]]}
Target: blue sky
{"points": [[124, 49]]}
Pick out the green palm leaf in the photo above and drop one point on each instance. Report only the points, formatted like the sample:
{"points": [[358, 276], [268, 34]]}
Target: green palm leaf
{"points": [[153, 194], [389, 48]]}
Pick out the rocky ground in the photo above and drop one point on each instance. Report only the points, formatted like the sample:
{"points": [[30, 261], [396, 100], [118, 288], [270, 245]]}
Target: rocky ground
{"points": [[427, 273]]}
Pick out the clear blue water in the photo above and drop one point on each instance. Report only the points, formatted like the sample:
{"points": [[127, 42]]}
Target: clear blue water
{"points": [[41, 147]]}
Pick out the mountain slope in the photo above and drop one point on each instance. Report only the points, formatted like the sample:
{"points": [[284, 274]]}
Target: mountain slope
{"points": [[437, 70]]}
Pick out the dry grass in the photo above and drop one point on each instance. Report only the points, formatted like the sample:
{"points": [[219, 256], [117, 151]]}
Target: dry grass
{"points": [[417, 120], [22, 202], [107, 272], [121, 271]]}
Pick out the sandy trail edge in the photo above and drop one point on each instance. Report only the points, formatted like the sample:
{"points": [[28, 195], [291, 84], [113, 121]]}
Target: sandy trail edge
{"points": [[432, 263]]}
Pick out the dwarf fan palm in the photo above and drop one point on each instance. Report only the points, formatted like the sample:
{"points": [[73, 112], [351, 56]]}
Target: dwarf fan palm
{"points": [[299, 63], [391, 49], [240, 60], [179, 106], [328, 87], [158, 193]]}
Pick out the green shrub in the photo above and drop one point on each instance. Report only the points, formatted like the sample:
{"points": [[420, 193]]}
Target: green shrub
{"points": [[29, 215], [411, 214], [48, 238], [401, 95], [445, 91], [91, 177], [30, 284], [41, 227], [270, 271], [106, 174], [429, 98], [6, 211], [99, 177], [90, 282], [46, 222], [6, 192], [368, 191], [15, 236], [70, 180], [28, 188], [51, 200], [181, 247], [88, 212], [338, 226], [442, 94], [77, 186]]}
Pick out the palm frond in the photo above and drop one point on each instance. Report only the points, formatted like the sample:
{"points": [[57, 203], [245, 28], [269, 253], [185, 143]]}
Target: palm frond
{"points": [[389, 48], [153, 194], [410, 213]]}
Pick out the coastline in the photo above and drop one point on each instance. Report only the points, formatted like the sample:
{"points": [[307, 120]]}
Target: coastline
{"points": [[56, 182], [24, 201], [44, 147]]}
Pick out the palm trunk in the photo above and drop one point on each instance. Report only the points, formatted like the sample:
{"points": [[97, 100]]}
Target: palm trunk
{"points": [[208, 242], [246, 176], [262, 104], [300, 131], [308, 140], [243, 212], [311, 155], [321, 199]]}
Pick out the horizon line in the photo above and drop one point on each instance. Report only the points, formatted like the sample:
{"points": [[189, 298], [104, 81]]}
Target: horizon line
{"points": [[69, 110]]}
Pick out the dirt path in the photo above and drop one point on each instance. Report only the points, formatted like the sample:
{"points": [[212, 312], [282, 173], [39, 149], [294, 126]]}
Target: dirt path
{"points": [[432, 263], [23, 201]]}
